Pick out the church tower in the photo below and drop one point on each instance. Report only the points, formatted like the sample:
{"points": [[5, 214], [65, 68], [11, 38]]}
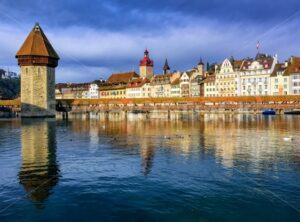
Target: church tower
{"points": [[200, 68], [37, 60], [146, 66], [166, 67]]}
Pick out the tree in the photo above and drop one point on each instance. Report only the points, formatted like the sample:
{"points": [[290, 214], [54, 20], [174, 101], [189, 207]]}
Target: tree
{"points": [[9, 88]]}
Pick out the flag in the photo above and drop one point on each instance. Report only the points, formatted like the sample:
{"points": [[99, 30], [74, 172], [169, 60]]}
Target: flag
{"points": [[257, 45]]}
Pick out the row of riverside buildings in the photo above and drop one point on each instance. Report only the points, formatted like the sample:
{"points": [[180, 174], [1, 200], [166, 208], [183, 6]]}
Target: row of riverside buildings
{"points": [[262, 75]]}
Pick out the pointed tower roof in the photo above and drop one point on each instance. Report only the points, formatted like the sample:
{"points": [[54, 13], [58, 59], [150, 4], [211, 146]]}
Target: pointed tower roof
{"points": [[200, 62], [37, 44], [166, 66]]}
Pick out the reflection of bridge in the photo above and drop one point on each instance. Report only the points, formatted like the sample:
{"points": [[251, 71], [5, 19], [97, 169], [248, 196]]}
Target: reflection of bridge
{"points": [[248, 103]]}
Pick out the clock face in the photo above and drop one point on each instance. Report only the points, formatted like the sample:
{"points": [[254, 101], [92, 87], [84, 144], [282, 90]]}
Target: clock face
{"points": [[149, 69]]}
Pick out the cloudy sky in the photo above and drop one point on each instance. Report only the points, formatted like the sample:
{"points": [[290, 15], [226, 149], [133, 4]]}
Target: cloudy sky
{"points": [[98, 37]]}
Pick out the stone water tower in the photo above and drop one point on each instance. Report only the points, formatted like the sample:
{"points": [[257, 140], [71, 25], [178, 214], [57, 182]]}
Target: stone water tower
{"points": [[37, 59]]}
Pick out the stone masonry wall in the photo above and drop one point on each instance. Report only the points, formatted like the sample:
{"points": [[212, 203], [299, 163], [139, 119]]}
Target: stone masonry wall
{"points": [[37, 91]]}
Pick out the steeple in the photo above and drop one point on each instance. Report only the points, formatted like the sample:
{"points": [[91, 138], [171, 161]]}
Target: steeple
{"points": [[200, 67], [166, 67], [200, 62]]}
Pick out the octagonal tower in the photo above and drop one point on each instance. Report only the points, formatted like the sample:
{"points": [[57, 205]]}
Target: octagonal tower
{"points": [[38, 60]]}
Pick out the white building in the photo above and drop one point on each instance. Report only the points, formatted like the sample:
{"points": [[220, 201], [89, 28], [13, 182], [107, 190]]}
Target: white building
{"points": [[185, 84], [255, 75], [138, 88], [93, 91]]}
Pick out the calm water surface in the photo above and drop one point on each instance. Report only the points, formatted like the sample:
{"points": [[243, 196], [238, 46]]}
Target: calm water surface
{"points": [[205, 168]]}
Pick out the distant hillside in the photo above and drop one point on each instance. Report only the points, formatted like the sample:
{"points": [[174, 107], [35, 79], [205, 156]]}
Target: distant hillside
{"points": [[9, 88]]}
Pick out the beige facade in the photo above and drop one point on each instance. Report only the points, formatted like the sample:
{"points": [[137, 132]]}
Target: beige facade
{"points": [[146, 72], [175, 88], [210, 89], [293, 73], [279, 82]]}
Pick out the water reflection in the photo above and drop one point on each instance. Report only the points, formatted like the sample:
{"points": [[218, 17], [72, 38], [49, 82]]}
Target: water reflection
{"points": [[249, 141], [39, 172]]}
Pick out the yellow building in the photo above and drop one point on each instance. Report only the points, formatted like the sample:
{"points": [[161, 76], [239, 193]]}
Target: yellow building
{"points": [[112, 91], [227, 77]]}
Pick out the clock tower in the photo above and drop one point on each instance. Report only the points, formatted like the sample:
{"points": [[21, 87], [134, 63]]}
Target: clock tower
{"points": [[146, 66]]}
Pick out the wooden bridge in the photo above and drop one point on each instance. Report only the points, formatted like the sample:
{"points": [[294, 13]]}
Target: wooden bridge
{"points": [[239, 103]]}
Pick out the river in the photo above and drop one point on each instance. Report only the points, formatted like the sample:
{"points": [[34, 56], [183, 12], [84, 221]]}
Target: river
{"points": [[211, 167]]}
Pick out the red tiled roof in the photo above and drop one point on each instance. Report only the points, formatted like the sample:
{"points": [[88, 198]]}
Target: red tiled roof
{"points": [[293, 66], [264, 60], [278, 67], [124, 77], [137, 82]]}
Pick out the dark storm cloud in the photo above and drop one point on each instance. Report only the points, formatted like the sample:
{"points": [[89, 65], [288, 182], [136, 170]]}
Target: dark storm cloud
{"points": [[120, 14]]}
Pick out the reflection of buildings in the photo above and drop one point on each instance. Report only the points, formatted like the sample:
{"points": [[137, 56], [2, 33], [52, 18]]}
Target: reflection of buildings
{"points": [[249, 141], [39, 171]]}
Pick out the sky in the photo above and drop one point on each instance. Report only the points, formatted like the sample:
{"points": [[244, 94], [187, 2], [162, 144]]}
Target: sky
{"points": [[98, 37]]}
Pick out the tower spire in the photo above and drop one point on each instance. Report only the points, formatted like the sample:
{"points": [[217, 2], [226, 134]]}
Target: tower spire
{"points": [[166, 67]]}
